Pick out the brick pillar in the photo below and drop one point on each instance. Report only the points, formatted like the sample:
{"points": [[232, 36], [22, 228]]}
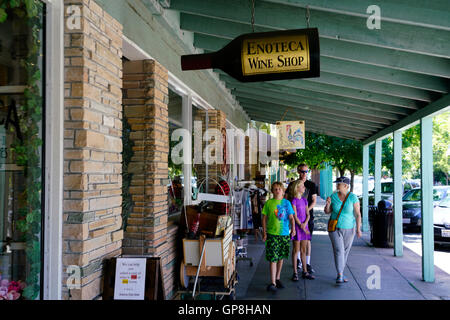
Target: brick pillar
{"points": [[145, 99], [92, 147], [216, 120]]}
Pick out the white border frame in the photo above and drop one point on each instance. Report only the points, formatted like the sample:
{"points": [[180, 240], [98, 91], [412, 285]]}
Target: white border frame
{"points": [[54, 150]]}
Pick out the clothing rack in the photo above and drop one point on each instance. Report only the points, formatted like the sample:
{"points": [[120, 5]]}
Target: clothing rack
{"points": [[243, 209]]}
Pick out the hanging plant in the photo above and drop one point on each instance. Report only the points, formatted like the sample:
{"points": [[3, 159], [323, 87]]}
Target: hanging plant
{"points": [[27, 151], [127, 154]]}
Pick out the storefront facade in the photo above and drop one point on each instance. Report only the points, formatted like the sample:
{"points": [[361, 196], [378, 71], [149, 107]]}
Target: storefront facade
{"points": [[110, 92]]}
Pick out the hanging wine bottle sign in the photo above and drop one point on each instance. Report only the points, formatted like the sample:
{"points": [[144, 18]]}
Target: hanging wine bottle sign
{"points": [[265, 56]]}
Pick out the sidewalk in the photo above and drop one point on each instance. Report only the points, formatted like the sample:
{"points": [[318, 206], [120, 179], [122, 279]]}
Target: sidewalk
{"points": [[400, 277]]}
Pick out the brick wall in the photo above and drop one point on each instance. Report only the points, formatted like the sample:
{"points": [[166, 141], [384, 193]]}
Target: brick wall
{"points": [[92, 147], [145, 99]]}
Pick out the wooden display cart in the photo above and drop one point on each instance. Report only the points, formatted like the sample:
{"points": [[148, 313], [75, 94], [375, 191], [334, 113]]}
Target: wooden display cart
{"points": [[209, 257], [205, 257]]}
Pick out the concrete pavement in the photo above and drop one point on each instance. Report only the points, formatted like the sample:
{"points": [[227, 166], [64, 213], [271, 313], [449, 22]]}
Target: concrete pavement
{"points": [[399, 277]]}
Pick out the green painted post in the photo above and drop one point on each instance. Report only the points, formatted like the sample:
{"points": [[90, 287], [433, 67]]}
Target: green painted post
{"points": [[365, 209], [326, 182], [377, 171], [329, 181], [398, 194], [426, 169]]}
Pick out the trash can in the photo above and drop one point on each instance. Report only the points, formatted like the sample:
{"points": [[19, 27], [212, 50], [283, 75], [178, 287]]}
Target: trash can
{"points": [[382, 226]]}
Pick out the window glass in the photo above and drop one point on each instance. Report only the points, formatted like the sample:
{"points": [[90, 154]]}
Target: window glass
{"points": [[413, 195], [21, 139], [176, 179]]}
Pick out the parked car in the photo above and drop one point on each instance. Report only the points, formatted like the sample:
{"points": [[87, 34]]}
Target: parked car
{"points": [[387, 190], [412, 207], [441, 220]]}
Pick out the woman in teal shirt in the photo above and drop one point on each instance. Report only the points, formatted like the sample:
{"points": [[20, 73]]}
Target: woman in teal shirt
{"points": [[350, 216]]}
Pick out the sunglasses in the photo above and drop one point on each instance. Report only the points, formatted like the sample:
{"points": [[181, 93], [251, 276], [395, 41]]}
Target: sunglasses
{"points": [[302, 171]]}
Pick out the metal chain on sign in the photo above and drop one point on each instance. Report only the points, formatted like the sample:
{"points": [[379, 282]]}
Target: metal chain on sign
{"points": [[307, 16], [253, 16]]}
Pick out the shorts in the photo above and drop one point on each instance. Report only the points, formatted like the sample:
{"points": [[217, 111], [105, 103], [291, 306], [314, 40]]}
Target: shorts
{"points": [[277, 247]]}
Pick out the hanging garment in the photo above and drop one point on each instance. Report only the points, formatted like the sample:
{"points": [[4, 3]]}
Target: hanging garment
{"points": [[238, 195], [246, 211], [222, 188]]}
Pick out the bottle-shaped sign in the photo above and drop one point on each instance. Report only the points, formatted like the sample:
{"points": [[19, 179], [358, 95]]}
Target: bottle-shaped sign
{"points": [[265, 56]]}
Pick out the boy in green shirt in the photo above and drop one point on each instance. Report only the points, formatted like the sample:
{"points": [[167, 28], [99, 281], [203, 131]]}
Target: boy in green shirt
{"points": [[277, 221]]}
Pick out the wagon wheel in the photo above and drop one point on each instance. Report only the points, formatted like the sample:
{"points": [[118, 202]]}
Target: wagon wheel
{"points": [[228, 268], [184, 279]]}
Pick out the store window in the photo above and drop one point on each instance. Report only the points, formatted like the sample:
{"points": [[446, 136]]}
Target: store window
{"points": [[21, 145], [175, 187]]}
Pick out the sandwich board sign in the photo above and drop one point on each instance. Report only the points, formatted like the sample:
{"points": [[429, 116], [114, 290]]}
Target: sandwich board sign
{"points": [[130, 279]]}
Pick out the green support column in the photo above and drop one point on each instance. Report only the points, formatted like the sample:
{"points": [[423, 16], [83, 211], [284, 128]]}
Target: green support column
{"points": [[377, 171], [398, 194], [365, 208], [426, 169]]}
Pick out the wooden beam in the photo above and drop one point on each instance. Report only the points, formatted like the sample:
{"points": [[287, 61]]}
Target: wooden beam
{"points": [[340, 91], [337, 113], [339, 50], [310, 101], [438, 106], [420, 13], [296, 92], [359, 70], [264, 107], [408, 38], [330, 132], [310, 118]]}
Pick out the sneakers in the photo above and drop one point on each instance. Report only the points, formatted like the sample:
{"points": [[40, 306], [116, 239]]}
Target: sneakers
{"points": [[272, 288], [309, 268], [279, 284]]}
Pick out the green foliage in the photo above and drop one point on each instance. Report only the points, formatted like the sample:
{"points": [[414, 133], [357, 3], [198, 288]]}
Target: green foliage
{"points": [[441, 147], [27, 151], [3, 15], [127, 154], [315, 153]]}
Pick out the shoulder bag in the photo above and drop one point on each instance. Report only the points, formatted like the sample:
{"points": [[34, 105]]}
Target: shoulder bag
{"points": [[332, 223]]}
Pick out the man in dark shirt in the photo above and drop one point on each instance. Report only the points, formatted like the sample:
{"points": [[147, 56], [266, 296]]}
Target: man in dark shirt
{"points": [[311, 195]]}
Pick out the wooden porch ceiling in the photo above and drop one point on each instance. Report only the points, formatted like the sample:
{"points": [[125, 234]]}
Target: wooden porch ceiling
{"points": [[371, 80]]}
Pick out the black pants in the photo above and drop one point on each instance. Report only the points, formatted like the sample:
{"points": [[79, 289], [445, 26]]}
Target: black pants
{"points": [[311, 226]]}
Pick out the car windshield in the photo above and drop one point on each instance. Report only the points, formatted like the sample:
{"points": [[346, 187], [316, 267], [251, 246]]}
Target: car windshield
{"points": [[445, 203], [416, 195], [413, 195]]}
